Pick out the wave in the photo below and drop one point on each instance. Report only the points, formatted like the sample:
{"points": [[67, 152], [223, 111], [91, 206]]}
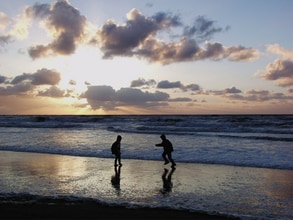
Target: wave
{"points": [[175, 124], [198, 160]]}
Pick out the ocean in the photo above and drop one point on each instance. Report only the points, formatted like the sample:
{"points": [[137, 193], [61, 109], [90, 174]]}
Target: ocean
{"points": [[239, 140], [226, 164]]}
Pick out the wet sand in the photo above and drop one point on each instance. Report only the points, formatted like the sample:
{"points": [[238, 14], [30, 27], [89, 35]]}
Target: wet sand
{"points": [[41, 186], [62, 209]]}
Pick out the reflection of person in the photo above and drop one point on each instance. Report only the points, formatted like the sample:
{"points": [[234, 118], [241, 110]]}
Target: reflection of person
{"points": [[168, 148], [116, 150], [167, 181], [115, 179]]}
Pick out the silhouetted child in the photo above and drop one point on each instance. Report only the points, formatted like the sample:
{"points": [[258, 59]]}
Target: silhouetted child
{"points": [[168, 148], [116, 150]]}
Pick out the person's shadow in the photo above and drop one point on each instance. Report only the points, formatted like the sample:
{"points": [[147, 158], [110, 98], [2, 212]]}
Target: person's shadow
{"points": [[115, 179], [167, 180]]}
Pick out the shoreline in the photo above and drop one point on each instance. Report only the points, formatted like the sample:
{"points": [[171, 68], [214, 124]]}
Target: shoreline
{"points": [[47, 186], [57, 208]]}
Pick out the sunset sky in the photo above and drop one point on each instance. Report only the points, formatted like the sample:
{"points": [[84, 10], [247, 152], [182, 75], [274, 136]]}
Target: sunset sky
{"points": [[146, 57]]}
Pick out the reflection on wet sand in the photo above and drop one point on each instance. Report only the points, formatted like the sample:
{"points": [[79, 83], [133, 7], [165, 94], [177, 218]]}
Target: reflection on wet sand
{"points": [[115, 179], [247, 191], [167, 181]]}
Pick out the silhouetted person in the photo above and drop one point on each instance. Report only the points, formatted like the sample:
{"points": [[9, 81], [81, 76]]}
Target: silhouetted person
{"points": [[116, 150], [167, 181], [168, 148]]}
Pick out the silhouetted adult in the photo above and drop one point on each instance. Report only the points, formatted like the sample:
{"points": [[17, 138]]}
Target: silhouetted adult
{"points": [[116, 150], [168, 149]]}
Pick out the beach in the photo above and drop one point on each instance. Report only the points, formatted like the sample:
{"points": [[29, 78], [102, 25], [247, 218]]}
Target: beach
{"points": [[62, 209], [59, 186]]}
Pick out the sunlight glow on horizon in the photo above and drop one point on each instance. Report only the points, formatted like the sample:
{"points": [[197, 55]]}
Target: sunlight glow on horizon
{"points": [[145, 58]]}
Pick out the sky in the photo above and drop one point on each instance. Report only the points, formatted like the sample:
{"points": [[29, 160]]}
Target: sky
{"points": [[146, 57]]}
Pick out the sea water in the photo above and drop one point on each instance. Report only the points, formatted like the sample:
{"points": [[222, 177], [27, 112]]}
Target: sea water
{"points": [[260, 145], [242, 140]]}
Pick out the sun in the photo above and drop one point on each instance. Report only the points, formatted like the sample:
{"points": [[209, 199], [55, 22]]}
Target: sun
{"points": [[87, 67]]}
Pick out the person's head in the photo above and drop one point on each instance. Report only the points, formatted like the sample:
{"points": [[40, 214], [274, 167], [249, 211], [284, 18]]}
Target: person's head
{"points": [[163, 137], [119, 138]]}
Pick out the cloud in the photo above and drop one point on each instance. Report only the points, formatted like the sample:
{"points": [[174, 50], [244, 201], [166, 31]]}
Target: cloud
{"points": [[72, 82], [180, 100], [203, 29], [4, 21], [139, 37], [26, 83], [226, 91], [2, 79], [280, 71], [142, 82], [64, 22], [137, 97], [122, 39], [5, 39], [192, 87], [19, 89], [188, 50], [277, 49], [54, 92], [41, 77], [260, 96], [105, 97], [165, 84]]}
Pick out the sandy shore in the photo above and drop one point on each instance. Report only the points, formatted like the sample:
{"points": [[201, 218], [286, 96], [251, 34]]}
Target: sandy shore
{"points": [[199, 188], [61, 209]]}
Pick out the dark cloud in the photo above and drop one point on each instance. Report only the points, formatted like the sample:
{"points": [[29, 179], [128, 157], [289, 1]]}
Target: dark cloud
{"points": [[54, 92], [281, 71], [137, 97], [165, 84], [19, 89], [122, 39], [203, 29], [260, 96], [26, 83], [142, 82], [138, 36], [226, 91], [38, 11], [5, 39], [188, 50], [192, 87], [2, 79], [180, 100], [105, 97], [41, 77], [64, 21], [166, 20]]}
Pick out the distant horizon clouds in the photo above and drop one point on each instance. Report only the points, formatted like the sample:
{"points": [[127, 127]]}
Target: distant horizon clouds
{"points": [[145, 58]]}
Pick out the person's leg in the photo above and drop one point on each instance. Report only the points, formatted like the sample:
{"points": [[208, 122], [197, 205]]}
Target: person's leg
{"points": [[119, 159], [164, 157], [171, 159], [115, 161]]}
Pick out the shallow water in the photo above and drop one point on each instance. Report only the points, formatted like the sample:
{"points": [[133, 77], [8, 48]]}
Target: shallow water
{"points": [[230, 190]]}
